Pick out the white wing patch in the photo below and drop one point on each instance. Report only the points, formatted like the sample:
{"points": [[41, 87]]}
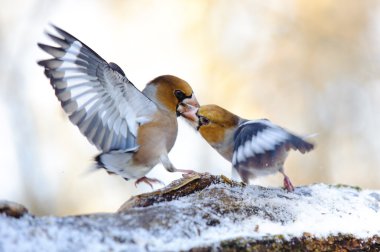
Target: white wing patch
{"points": [[247, 149], [265, 140], [72, 52]]}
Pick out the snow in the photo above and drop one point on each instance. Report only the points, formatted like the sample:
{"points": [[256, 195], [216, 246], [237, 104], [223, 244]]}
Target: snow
{"points": [[202, 220]]}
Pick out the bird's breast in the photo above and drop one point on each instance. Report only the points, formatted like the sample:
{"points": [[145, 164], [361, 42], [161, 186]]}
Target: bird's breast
{"points": [[155, 138], [225, 146]]}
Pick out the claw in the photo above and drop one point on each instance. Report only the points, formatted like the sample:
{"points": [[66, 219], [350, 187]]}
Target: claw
{"points": [[148, 181]]}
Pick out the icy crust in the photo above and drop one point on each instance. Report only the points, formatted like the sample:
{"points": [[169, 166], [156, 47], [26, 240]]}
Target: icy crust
{"points": [[208, 217]]}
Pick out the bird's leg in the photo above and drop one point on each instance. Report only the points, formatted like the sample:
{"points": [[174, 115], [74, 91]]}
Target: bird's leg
{"points": [[287, 183], [244, 174], [170, 167], [148, 181]]}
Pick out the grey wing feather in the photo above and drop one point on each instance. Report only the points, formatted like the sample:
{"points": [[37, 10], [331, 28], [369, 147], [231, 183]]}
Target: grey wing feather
{"points": [[260, 142], [97, 96]]}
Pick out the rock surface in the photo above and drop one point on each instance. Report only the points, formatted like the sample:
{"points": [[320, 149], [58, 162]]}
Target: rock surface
{"points": [[207, 213], [12, 209]]}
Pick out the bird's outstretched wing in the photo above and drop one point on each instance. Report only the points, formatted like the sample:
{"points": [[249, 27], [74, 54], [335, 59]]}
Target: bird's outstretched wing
{"points": [[97, 96], [259, 142]]}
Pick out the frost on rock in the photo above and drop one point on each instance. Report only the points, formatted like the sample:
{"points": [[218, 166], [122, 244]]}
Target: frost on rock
{"points": [[210, 212]]}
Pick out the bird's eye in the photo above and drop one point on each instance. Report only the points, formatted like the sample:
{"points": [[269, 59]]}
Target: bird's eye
{"points": [[203, 120], [180, 95]]}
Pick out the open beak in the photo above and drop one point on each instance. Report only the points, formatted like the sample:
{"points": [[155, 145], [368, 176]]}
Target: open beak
{"points": [[188, 109], [189, 113]]}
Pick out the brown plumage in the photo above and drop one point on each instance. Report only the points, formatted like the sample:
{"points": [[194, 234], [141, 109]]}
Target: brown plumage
{"points": [[167, 84], [221, 123]]}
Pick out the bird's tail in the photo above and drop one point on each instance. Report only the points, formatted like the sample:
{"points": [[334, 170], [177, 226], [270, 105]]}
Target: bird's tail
{"points": [[298, 143], [115, 162]]}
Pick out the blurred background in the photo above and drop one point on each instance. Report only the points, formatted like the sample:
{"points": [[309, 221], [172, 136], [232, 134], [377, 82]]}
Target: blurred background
{"points": [[310, 66]]}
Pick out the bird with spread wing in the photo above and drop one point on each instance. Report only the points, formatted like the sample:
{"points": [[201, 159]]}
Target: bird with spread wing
{"points": [[133, 130]]}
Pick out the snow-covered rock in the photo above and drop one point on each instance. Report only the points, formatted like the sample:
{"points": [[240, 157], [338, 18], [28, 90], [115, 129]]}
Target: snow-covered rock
{"points": [[209, 212]]}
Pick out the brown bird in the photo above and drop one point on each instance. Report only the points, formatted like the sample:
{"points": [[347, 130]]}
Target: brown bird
{"points": [[254, 147], [133, 130]]}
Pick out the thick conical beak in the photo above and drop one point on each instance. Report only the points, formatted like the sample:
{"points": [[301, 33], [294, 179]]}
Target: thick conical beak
{"points": [[189, 113], [192, 101]]}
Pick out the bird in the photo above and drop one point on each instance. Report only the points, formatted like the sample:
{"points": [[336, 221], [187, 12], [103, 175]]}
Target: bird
{"points": [[133, 130], [254, 147]]}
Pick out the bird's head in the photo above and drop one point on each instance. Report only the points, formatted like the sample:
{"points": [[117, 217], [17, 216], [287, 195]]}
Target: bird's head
{"points": [[171, 92], [211, 121]]}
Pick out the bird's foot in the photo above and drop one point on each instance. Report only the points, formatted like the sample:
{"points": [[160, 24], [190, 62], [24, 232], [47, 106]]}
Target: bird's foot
{"points": [[148, 181], [287, 184]]}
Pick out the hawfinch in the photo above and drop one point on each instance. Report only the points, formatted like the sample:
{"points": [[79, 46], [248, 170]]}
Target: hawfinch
{"points": [[254, 147], [133, 130]]}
